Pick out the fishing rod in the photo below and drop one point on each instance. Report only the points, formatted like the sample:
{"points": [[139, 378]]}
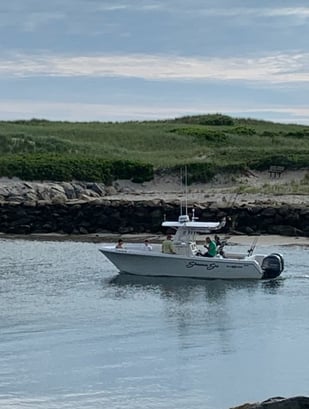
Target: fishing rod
{"points": [[253, 245]]}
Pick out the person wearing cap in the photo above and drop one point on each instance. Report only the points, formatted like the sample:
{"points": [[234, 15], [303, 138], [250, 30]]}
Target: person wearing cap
{"points": [[167, 245]]}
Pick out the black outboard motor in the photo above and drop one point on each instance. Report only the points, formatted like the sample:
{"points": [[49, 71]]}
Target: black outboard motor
{"points": [[272, 265]]}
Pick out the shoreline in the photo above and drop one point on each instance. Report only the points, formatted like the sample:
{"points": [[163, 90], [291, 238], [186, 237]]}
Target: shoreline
{"points": [[263, 240], [80, 209]]}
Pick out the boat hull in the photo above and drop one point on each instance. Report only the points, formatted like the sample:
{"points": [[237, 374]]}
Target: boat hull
{"points": [[167, 265]]}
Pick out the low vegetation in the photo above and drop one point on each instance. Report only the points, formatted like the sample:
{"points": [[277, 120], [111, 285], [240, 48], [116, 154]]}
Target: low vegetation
{"points": [[207, 144], [293, 188]]}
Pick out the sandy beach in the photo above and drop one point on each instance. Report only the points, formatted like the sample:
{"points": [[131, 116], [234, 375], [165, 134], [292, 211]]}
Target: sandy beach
{"points": [[262, 240], [253, 187]]}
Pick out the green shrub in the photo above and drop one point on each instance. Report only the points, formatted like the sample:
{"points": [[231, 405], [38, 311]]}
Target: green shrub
{"points": [[269, 134], [202, 134], [197, 172], [5, 143], [288, 161], [205, 172], [301, 134], [48, 167], [209, 119], [242, 130]]}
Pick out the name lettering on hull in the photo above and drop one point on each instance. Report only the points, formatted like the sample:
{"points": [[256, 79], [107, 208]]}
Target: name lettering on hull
{"points": [[209, 266]]}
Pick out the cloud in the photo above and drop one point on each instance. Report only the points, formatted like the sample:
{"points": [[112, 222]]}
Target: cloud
{"points": [[272, 69], [302, 12], [31, 15]]}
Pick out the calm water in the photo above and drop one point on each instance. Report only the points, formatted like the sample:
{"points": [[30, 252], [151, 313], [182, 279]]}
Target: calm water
{"points": [[73, 334]]}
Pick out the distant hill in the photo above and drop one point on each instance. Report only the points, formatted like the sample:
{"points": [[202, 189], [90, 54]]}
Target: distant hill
{"points": [[207, 144]]}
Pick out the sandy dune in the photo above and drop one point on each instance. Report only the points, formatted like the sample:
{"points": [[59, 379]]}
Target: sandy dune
{"points": [[251, 188]]}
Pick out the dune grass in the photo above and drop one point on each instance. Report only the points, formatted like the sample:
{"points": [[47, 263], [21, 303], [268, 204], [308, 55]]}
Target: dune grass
{"points": [[229, 144]]}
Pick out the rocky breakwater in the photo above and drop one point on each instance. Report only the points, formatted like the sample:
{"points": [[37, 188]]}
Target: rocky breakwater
{"points": [[88, 208]]}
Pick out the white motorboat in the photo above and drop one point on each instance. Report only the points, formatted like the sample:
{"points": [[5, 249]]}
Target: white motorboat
{"points": [[187, 260]]}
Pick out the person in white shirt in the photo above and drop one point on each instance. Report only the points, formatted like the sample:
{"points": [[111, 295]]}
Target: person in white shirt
{"points": [[147, 245]]}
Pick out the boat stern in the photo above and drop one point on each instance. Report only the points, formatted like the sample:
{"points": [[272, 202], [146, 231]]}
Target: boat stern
{"points": [[272, 265]]}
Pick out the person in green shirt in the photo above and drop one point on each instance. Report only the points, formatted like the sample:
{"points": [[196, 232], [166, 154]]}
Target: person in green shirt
{"points": [[167, 245], [211, 248]]}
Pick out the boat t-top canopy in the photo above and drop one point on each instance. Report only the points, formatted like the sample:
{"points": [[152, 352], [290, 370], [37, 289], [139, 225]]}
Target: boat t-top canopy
{"points": [[184, 222]]}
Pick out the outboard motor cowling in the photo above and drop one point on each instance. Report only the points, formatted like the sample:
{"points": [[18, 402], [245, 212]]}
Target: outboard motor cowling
{"points": [[272, 265]]}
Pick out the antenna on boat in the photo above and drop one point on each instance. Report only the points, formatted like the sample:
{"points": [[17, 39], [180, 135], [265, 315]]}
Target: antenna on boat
{"points": [[186, 188], [183, 218], [184, 180], [193, 215], [181, 191]]}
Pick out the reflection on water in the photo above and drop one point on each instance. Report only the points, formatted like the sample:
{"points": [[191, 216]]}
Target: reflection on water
{"points": [[193, 305], [272, 286], [186, 289], [74, 334]]}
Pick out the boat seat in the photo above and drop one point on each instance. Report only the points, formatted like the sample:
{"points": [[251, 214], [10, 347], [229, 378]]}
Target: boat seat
{"points": [[236, 256]]}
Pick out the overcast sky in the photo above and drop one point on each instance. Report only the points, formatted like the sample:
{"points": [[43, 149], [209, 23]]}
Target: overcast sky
{"points": [[115, 60]]}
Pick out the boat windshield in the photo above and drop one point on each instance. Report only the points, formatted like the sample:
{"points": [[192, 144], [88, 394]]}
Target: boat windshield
{"points": [[184, 235]]}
